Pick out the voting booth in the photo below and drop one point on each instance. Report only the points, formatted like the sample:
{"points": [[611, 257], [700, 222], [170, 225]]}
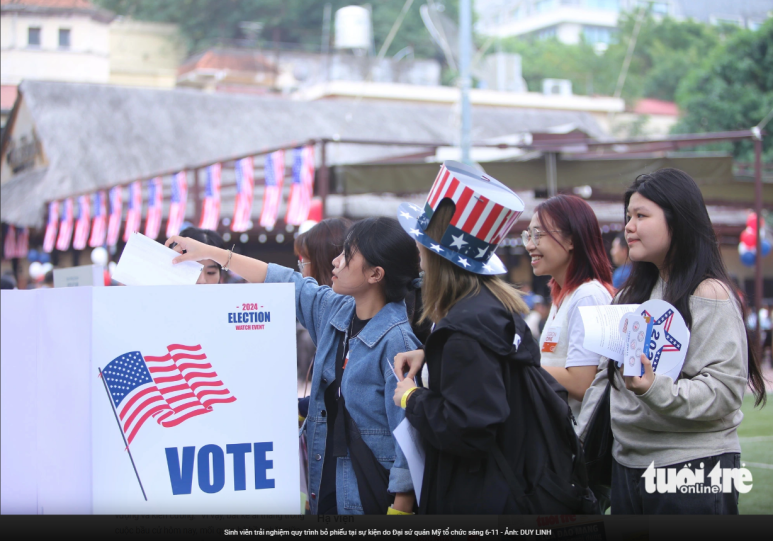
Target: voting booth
{"points": [[150, 400]]}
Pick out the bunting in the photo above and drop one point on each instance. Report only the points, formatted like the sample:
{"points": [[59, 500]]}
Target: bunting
{"points": [[116, 216], [82, 222], [303, 185], [274, 173], [134, 214], [99, 225], [245, 184], [65, 226], [51, 227], [211, 210], [153, 219], [178, 203]]}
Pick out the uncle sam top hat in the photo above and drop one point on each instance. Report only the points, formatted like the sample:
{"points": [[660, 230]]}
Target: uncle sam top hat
{"points": [[485, 211]]}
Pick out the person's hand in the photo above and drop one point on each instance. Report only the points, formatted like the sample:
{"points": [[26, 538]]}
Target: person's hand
{"points": [[402, 387], [640, 385], [191, 250], [411, 361]]}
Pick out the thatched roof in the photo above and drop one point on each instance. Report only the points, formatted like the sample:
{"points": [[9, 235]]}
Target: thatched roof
{"points": [[98, 136]]}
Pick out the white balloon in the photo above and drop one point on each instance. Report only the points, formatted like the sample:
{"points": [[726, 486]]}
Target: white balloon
{"points": [[36, 270], [47, 267], [111, 267], [99, 256]]}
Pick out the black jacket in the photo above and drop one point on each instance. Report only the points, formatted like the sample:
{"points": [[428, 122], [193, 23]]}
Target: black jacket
{"points": [[483, 392]]}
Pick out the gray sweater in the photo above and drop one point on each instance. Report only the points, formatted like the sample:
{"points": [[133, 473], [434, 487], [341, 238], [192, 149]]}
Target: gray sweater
{"points": [[696, 416]]}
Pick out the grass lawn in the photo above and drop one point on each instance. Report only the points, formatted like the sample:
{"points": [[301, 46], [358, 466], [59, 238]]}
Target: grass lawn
{"points": [[756, 434]]}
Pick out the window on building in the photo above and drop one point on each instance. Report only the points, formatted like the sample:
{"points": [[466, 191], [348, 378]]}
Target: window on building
{"points": [[33, 36], [608, 5], [64, 38], [547, 33], [597, 34], [544, 5], [660, 8]]}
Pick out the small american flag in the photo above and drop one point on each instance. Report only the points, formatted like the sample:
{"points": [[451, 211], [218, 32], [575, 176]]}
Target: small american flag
{"points": [[116, 212], [9, 247], [51, 227], [65, 227], [274, 173], [171, 388], [134, 213], [302, 187], [82, 222], [99, 225], [211, 210], [22, 242], [245, 183], [177, 204], [153, 220]]}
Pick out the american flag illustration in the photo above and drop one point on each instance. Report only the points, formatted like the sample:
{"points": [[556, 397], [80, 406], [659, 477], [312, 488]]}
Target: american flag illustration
{"points": [[51, 227], [171, 388], [22, 242], [475, 215], [211, 210], [82, 222], [274, 172], [65, 226], [99, 225], [302, 187], [134, 214], [153, 219], [177, 203], [9, 247], [116, 215], [245, 182]]}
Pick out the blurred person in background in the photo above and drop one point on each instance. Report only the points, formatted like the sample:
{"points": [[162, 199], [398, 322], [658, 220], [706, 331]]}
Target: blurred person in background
{"points": [[538, 316], [619, 253], [7, 281], [212, 273]]}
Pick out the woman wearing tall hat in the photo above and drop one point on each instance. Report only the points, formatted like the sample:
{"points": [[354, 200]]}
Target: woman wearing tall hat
{"points": [[486, 416]]}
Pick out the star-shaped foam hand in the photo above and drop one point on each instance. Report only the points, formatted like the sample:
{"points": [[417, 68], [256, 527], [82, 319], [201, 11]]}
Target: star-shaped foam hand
{"points": [[459, 241], [464, 262], [436, 247]]}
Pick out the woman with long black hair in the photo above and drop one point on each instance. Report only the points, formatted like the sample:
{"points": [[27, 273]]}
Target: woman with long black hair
{"points": [[691, 422]]}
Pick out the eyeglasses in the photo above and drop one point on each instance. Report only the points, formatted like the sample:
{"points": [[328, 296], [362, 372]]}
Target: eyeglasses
{"points": [[302, 263], [526, 236]]}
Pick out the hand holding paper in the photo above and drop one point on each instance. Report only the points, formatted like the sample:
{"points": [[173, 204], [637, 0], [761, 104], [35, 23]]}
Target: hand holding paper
{"points": [[145, 262]]}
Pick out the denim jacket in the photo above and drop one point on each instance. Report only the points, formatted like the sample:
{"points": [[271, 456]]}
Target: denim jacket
{"points": [[368, 383]]}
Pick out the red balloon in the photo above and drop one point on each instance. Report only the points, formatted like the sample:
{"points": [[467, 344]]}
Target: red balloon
{"points": [[751, 222], [749, 237]]}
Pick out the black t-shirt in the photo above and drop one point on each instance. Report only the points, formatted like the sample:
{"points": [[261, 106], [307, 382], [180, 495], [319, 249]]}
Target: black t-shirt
{"points": [[335, 443]]}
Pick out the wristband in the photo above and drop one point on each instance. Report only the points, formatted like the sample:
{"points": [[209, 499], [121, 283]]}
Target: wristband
{"points": [[392, 511], [404, 399]]}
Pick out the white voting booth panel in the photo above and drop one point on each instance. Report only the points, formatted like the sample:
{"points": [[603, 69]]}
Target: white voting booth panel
{"points": [[226, 353]]}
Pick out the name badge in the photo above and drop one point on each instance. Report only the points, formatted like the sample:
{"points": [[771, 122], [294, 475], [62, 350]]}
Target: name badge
{"points": [[551, 339]]}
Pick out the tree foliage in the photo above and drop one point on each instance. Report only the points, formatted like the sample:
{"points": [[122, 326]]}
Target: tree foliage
{"points": [[732, 89], [204, 23]]}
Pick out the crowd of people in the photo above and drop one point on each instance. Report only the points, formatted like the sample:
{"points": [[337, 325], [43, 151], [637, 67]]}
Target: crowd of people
{"points": [[410, 319]]}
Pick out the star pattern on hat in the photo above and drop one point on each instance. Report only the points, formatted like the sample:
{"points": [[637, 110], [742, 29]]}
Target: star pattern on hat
{"points": [[405, 215], [436, 247], [423, 220], [414, 207], [416, 232], [488, 267], [463, 261], [459, 241], [482, 252]]}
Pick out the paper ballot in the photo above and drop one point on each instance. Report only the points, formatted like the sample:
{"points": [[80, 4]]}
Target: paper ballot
{"points": [[410, 442], [145, 262], [602, 329]]}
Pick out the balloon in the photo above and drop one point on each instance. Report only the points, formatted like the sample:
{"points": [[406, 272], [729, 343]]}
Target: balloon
{"points": [[46, 267], [43, 257], [33, 255], [748, 258], [751, 222], [99, 256], [36, 270], [111, 267], [765, 248], [749, 237], [742, 248]]}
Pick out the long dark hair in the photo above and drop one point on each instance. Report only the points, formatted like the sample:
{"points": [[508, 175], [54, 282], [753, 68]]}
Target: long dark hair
{"points": [[321, 245], [692, 257], [383, 243], [576, 220]]}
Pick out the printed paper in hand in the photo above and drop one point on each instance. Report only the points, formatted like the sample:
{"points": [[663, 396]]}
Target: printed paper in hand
{"points": [[145, 262], [410, 442], [636, 339], [602, 329], [667, 346]]}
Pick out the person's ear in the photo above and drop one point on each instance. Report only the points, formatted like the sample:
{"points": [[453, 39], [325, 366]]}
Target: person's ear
{"points": [[376, 274]]}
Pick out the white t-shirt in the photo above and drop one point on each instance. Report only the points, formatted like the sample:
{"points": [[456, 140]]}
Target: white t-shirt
{"points": [[564, 332]]}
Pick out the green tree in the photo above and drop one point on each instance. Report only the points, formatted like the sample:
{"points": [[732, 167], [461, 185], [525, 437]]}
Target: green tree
{"points": [[732, 89], [205, 22]]}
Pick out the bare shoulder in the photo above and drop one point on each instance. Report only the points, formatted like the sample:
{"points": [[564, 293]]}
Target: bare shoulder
{"points": [[712, 289]]}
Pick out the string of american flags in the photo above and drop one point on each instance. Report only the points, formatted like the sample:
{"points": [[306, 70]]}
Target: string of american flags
{"points": [[97, 219]]}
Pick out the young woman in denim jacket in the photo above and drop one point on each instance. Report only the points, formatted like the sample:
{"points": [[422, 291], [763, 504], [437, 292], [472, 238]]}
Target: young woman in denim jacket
{"points": [[364, 310]]}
